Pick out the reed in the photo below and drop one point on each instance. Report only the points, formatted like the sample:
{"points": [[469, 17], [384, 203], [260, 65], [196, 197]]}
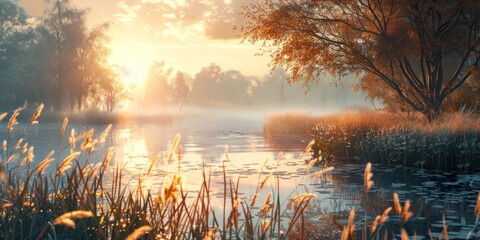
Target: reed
{"points": [[452, 143], [78, 199], [139, 232]]}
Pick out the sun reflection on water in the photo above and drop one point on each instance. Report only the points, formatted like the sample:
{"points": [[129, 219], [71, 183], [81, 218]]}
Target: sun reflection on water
{"points": [[246, 153]]}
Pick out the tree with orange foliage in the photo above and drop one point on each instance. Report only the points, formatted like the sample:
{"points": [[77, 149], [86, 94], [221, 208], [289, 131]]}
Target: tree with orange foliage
{"points": [[414, 52]]}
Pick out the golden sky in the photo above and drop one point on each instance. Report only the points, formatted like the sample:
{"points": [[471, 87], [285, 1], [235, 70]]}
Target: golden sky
{"points": [[186, 34]]}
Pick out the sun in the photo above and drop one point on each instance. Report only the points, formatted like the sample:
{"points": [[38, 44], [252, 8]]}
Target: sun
{"points": [[133, 64]]}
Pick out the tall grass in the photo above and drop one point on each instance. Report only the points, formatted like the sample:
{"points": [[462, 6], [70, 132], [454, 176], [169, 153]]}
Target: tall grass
{"points": [[449, 144], [79, 198]]}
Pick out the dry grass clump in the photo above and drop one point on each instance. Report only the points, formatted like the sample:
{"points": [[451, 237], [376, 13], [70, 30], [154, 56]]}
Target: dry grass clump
{"points": [[303, 123], [288, 123], [452, 143], [458, 123]]}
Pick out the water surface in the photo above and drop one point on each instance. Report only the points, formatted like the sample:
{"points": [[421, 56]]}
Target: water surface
{"points": [[253, 156]]}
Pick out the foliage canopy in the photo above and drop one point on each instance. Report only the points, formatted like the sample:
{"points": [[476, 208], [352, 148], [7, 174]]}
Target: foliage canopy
{"points": [[414, 53]]}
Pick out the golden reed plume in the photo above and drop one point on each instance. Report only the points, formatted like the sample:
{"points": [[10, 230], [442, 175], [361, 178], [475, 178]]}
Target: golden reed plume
{"points": [[64, 126], [267, 205], [13, 120], [380, 219], [404, 235], [67, 163], [321, 172], [209, 234], [104, 134], [35, 116], [347, 231], [2, 116], [368, 175], [67, 218], [139, 232], [302, 197], [404, 212]]}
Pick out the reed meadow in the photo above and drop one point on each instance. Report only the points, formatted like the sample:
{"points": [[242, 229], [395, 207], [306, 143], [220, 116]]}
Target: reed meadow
{"points": [[73, 198], [451, 143]]}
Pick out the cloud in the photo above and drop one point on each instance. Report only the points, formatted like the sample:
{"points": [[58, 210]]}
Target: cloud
{"points": [[128, 13], [217, 18]]}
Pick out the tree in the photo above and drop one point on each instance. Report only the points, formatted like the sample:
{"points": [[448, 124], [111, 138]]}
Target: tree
{"points": [[205, 85], [272, 89], [180, 90], [417, 52], [158, 92], [17, 65], [213, 86], [58, 32], [112, 90], [90, 64], [78, 55]]}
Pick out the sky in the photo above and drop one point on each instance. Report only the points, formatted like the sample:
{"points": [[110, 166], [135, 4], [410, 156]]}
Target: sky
{"points": [[186, 34]]}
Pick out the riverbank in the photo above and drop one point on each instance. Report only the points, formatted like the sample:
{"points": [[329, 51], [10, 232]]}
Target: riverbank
{"points": [[450, 144]]}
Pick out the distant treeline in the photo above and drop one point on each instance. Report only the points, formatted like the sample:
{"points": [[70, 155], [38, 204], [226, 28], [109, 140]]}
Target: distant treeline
{"points": [[213, 86], [55, 59], [58, 60]]}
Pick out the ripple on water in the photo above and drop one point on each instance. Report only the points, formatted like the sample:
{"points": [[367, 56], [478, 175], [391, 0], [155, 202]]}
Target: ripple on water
{"points": [[322, 191], [398, 185]]}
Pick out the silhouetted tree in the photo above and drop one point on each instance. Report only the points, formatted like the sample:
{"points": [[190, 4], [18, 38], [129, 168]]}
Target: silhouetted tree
{"points": [[180, 90], [214, 87], [111, 90], [17, 65], [158, 92], [77, 56], [271, 90], [417, 52]]}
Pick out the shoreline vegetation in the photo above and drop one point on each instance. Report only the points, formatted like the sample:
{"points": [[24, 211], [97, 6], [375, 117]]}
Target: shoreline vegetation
{"points": [[80, 198], [452, 143]]}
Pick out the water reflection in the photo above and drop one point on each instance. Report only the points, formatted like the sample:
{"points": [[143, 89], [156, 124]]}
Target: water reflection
{"points": [[432, 195], [204, 141]]}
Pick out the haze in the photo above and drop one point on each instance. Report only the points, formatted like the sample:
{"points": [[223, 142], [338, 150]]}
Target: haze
{"points": [[156, 56], [186, 34]]}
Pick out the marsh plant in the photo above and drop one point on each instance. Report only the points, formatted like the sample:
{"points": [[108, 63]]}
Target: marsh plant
{"points": [[81, 197], [450, 144]]}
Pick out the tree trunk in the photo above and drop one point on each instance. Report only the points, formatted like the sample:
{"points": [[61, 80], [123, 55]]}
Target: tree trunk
{"points": [[79, 103], [72, 104], [433, 111], [57, 101]]}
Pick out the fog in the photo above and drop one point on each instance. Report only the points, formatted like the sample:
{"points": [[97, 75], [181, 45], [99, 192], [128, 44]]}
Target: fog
{"points": [[216, 91]]}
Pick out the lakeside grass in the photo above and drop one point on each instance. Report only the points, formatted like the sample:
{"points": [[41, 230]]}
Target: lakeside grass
{"points": [[84, 198], [452, 143]]}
